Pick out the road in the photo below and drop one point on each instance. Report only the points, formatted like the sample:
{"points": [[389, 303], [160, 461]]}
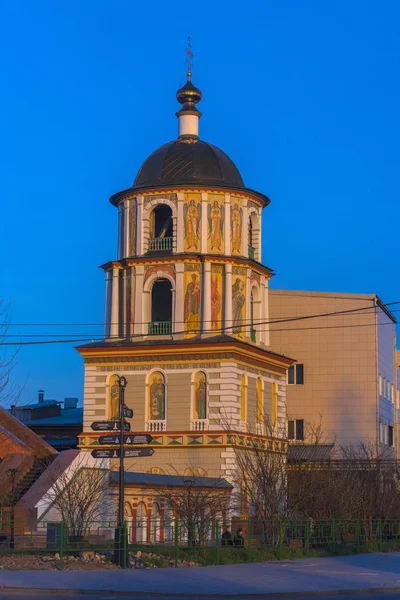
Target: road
{"points": [[78, 596]]}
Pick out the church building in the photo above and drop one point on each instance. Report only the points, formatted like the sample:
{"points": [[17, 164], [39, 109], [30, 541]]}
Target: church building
{"points": [[186, 313]]}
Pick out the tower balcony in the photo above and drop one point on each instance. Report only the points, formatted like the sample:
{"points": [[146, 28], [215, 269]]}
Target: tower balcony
{"points": [[159, 244], [199, 424], [156, 425], [160, 328]]}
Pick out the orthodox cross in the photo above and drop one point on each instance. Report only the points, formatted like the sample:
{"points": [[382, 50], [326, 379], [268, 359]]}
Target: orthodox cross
{"points": [[189, 58]]}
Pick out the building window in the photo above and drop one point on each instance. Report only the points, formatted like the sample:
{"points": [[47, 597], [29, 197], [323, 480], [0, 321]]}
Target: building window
{"points": [[157, 402], [295, 374], [296, 430], [390, 440], [160, 229], [200, 412], [161, 308]]}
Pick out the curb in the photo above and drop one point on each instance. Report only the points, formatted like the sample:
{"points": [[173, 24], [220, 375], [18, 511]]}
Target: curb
{"points": [[125, 593]]}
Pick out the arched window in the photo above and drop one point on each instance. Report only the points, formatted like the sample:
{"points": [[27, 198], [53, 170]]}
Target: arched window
{"points": [[243, 399], [250, 232], [141, 523], [155, 523], [200, 396], [113, 397], [255, 310], [161, 308], [195, 472], [254, 235], [274, 407], [260, 411], [157, 402], [160, 229]]}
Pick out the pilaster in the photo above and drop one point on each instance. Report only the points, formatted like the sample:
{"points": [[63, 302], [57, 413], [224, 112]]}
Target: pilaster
{"points": [[120, 230], [227, 225], [204, 222], [126, 228], [107, 311], [139, 226], [179, 232], [179, 300], [140, 298], [115, 302], [206, 304], [228, 300]]}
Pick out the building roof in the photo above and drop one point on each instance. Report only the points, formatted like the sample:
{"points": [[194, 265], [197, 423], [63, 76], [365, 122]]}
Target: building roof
{"points": [[188, 162], [309, 452], [150, 479], [68, 416]]}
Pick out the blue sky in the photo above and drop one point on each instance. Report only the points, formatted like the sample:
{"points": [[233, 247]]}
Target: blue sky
{"points": [[303, 96]]}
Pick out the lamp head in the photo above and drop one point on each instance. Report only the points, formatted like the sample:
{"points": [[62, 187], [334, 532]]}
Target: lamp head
{"points": [[122, 382]]}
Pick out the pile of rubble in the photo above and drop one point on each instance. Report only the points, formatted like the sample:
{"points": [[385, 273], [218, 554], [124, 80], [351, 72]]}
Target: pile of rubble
{"points": [[149, 560]]}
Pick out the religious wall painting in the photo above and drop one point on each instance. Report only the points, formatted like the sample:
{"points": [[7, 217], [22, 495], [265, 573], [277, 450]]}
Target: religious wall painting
{"points": [[236, 225], [216, 297], [157, 387], [113, 397], [200, 396], [192, 300], [192, 222], [239, 278], [132, 228], [216, 218]]}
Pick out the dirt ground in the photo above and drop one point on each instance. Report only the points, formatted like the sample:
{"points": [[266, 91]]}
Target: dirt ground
{"points": [[51, 562]]}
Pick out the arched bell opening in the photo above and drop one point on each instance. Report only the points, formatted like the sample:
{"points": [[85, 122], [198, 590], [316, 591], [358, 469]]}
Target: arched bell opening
{"points": [[161, 229], [253, 228], [161, 308]]}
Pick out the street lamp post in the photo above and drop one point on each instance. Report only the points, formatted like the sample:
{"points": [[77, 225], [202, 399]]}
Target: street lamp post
{"points": [[189, 482]]}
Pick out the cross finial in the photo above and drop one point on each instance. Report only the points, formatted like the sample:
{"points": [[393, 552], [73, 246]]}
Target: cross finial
{"points": [[189, 58]]}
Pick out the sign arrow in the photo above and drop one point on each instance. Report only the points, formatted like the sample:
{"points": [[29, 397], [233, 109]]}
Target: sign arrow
{"points": [[110, 426], [128, 439], [128, 453], [128, 412]]}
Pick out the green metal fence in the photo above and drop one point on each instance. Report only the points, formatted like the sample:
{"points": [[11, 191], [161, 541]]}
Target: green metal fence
{"points": [[168, 542]]}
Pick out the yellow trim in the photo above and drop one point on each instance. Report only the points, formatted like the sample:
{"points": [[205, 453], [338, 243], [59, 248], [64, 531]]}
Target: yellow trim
{"points": [[259, 386], [274, 409]]}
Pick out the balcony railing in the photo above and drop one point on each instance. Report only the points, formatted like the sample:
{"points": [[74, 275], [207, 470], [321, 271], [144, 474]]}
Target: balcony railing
{"points": [[199, 424], [159, 244], [160, 328], [157, 425], [253, 335], [251, 252]]}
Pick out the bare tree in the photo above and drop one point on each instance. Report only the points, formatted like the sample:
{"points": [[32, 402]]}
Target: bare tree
{"points": [[196, 504], [80, 494], [8, 389]]}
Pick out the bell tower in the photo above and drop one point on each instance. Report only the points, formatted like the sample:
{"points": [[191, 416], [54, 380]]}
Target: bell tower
{"points": [[186, 316]]}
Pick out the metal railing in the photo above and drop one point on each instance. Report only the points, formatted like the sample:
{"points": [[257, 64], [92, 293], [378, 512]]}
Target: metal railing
{"points": [[159, 244], [206, 541], [160, 328]]}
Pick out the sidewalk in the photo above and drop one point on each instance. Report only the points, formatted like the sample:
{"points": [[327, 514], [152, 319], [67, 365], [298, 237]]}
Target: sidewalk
{"points": [[358, 572]]}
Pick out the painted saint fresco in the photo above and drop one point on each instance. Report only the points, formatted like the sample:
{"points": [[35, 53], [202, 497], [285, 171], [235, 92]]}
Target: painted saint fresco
{"points": [[238, 300], [157, 397], [192, 220], [113, 399], [200, 396], [215, 211], [132, 228], [236, 228], [216, 297], [192, 298]]}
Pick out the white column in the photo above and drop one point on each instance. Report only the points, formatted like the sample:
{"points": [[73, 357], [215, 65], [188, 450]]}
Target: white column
{"points": [[189, 124], [259, 235], [120, 230], [248, 304], [228, 299], [227, 225], [132, 306], [126, 227], [179, 308], [206, 324], [245, 230], [139, 226], [107, 311], [180, 226], [139, 326], [265, 312], [115, 302], [204, 222]]}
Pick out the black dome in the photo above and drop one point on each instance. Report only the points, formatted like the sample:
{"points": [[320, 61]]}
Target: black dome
{"points": [[188, 161]]}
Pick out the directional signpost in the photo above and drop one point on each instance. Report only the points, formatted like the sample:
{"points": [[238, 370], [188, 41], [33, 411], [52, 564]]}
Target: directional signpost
{"points": [[121, 439], [128, 453], [110, 426]]}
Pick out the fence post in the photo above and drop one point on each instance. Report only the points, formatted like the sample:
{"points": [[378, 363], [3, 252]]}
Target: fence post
{"points": [[333, 532], [358, 535], [125, 542], [217, 542], [176, 543], [380, 529], [61, 565], [280, 541], [308, 532], [250, 539]]}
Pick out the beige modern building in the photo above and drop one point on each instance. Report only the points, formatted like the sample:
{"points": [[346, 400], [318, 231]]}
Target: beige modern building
{"points": [[346, 371]]}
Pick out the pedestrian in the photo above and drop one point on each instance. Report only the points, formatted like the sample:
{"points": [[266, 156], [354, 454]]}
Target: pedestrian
{"points": [[238, 540], [226, 538]]}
